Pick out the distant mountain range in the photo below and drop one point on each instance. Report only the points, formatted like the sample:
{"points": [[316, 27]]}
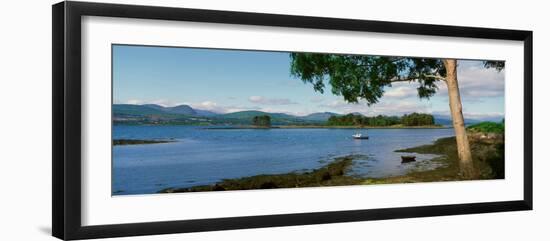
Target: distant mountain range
{"points": [[181, 109], [446, 120], [185, 114], [320, 116]]}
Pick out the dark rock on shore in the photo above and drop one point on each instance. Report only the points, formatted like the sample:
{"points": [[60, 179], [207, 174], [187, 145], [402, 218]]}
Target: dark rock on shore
{"points": [[121, 142]]}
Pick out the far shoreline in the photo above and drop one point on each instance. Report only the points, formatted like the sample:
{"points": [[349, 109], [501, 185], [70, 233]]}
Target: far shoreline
{"points": [[126, 142], [245, 127]]}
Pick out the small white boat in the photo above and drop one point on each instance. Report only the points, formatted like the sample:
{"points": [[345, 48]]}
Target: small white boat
{"points": [[359, 136]]}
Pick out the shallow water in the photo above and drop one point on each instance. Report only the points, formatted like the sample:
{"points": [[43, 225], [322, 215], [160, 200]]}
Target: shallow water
{"points": [[205, 156]]}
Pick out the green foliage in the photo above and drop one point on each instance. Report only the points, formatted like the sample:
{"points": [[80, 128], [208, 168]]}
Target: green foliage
{"points": [[487, 127], [263, 121], [414, 119], [364, 77], [498, 65], [246, 118], [358, 77]]}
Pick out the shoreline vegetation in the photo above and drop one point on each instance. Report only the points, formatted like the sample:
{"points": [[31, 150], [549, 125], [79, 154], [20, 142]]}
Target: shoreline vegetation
{"points": [[124, 142], [325, 127], [486, 142]]}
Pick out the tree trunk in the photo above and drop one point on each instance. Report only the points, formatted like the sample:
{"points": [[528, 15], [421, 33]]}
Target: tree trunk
{"points": [[467, 170]]}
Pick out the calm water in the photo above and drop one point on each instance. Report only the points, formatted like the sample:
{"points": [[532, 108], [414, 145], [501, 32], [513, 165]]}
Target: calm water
{"points": [[202, 156]]}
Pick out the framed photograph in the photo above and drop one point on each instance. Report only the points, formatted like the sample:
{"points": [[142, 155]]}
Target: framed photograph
{"points": [[169, 120]]}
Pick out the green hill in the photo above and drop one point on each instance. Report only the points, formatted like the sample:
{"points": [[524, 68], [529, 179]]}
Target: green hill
{"points": [[181, 109], [245, 117], [251, 113], [185, 115], [136, 110], [320, 116]]}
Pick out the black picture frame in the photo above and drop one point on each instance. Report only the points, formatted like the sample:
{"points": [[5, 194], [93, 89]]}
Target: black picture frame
{"points": [[66, 75]]}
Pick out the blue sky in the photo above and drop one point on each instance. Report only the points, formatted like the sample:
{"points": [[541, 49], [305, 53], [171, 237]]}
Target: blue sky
{"points": [[232, 80]]}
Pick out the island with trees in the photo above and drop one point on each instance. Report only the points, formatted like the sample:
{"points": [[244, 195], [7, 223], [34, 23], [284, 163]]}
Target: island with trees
{"points": [[407, 120], [263, 121]]}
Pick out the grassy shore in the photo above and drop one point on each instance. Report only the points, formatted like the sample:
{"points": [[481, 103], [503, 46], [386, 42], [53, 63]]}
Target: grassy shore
{"points": [[122, 142], [487, 154]]}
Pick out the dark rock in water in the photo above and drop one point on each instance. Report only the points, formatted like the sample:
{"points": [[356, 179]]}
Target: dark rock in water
{"points": [[406, 159]]}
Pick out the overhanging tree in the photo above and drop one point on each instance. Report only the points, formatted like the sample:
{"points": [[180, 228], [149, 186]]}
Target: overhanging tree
{"points": [[359, 77]]}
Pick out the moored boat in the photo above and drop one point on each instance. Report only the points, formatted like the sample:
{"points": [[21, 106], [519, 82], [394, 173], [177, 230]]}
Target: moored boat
{"points": [[405, 159], [360, 136]]}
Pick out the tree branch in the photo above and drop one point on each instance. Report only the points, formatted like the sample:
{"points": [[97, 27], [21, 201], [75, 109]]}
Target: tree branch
{"points": [[438, 77], [411, 78]]}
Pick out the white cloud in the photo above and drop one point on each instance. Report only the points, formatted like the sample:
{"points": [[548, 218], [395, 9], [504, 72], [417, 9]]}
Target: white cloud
{"points": [[495, 116], [270, 101], [476, 82], [284, 111], [205, 105], [214, 107], [381, 108], [161, 102], [401, 90]]}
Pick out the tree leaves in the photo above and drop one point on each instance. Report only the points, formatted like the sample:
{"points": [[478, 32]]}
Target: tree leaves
{"points": [[357, 77], [498, 65]]}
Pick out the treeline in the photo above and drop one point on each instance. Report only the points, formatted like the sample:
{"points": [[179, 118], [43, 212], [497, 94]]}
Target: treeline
{"points": [[263, 121], [414, 119], [417, 119]]}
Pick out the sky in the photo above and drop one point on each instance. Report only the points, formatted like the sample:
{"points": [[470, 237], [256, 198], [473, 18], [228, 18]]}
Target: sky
{"points": [[227, 81]]}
